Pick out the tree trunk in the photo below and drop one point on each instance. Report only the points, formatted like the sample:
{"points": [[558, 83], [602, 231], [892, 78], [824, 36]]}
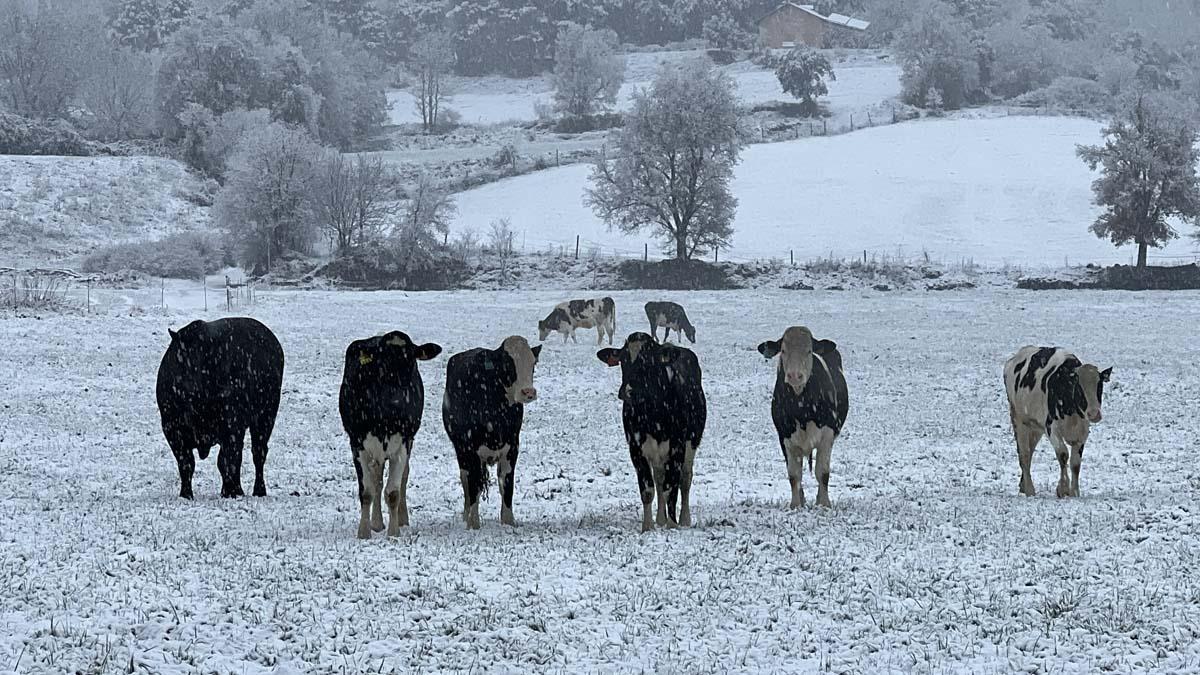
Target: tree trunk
{"points": [[681, 252], [1141, 262]]}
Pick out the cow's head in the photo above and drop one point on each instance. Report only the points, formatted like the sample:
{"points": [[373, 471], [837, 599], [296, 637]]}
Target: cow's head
{"points": [[1091, 381], [544, 329], [795, 350], [518, 384], [690, 331], [642, 359], [388, 353]]}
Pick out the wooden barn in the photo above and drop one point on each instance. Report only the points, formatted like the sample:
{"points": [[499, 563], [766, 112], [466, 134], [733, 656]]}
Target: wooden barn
{"points": [[791, 24]]}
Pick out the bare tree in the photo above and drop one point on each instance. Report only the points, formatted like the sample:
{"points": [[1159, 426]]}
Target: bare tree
{"points": [[41, 56], [425, 223], [674, 162], [119, 94], [432, 58], [354, 198], [501, 238]]}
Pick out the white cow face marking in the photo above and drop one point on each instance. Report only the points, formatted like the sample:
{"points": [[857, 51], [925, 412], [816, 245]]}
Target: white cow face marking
{"points": [[795, 352], [1091, 380], [523, 359]]}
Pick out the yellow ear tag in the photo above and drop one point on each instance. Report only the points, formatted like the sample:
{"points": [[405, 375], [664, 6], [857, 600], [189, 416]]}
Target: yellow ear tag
{"points": [[364, 358]]}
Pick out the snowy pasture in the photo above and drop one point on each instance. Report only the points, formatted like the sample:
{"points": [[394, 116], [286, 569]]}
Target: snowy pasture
{"points": [[1006, 190], [928, 561], [862, 81]]}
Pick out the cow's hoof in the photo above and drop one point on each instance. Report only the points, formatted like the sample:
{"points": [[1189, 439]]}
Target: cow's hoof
{"points": [[1062, 492], [364, 532], [647, 527], [824, 502], [260, 491], [685, 520], [377, 525], [185, 494]]}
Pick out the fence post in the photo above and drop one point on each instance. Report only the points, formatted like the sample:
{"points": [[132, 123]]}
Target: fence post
{"points": [[645, 252], [894, 120], [792, 255], [864, 256], [716, 255], [162, 292], [869, 122], [204, 282], [851, 121], [89, 296], [557, 160], [824, 127], [577, 247]]}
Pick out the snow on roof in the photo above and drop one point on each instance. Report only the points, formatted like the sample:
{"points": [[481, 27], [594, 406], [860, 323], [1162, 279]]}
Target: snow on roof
{"points": [[836, 19]]}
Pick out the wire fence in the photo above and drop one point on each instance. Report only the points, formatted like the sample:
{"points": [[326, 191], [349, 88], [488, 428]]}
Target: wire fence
{"points": [[44, 287]]}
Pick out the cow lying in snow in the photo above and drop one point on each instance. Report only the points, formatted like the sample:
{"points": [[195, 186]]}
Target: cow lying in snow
{"points": [[671, 316], [216, 380], [484, 405], [600, 314], [381, 401], [663, 412], [1052, 392], [809, 405]]}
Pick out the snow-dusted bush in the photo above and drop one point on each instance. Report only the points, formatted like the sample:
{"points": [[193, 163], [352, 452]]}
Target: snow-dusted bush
{"points": [[23, 136], [588, 72], [186, 255], [802, 73], [1069, 93]]}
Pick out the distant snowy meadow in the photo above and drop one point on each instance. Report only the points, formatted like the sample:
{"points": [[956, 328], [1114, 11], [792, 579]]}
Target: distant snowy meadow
{"points": [[929, 561]]}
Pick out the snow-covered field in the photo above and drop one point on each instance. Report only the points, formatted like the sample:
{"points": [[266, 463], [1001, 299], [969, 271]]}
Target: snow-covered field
{"points": [[51, 207], [928, 561], [862, 81], [997, 191]]}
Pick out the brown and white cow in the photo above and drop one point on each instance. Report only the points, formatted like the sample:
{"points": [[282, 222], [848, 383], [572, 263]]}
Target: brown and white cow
{"points": [[1053, 393], [600, 313]]}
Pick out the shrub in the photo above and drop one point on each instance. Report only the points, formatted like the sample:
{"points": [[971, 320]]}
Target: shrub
{"points": [[571, 124], [23, 136], [377, 266], [1069, 93], [186, 255]]}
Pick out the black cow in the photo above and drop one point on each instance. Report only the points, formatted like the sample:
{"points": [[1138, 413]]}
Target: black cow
{"points": [[381, 402], [484, 405], [669, 315], [216, 380], [663, 413], [809, 406]]}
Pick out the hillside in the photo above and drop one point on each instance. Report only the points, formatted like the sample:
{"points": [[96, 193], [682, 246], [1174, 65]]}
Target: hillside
{"points": [[52, 209], [997, 191]]}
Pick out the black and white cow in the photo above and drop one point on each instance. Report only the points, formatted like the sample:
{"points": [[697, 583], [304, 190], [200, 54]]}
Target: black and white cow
{"points": [[809, 405], [484, 405], [1052, 392], [669, 315], [381, 401], [600, 314], [663, 412], [217, 380]]}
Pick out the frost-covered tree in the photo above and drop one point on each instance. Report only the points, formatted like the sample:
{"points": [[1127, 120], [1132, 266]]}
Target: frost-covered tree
{"points": [[936, 53], [118, 94], [1148, 164], [353, 198], [432, 59], [44, 52], [424, 224], [722, 31], [802, 73], [266, 204], [588, 72], [674, 161], [146, 24]]}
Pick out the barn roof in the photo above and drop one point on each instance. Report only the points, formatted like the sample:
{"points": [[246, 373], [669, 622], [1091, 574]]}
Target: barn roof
{"points": [[835, 19]]}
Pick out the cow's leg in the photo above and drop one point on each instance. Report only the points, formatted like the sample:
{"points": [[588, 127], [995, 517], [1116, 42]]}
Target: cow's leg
{"points": [[187, 467], [653, 329], [258, 450], [573, 335], [672, 479], [364, 500], [645, 478], [505, 476], [599, 334], [398, 449], [660, 480], [1063, 453], [370, 462], [685, 487], [794, 454], [229, 463], [1027, 440], [824, 453], [474, 479], [1076, 465]]}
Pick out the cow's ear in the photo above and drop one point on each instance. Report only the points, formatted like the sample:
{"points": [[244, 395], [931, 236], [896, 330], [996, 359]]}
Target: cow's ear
{"points": [[610, 356], [769, 349], [428, 351], [536, 352], [823, 347], [1071, 364], [668, 353], [1106, 374], [174, 335]]}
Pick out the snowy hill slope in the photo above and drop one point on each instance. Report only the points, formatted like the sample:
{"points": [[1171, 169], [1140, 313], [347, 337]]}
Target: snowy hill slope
{"points": [[53, 208], [996, 191]]}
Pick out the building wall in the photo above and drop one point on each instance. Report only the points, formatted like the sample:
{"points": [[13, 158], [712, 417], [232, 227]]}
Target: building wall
{"points": [[791, 25]]}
